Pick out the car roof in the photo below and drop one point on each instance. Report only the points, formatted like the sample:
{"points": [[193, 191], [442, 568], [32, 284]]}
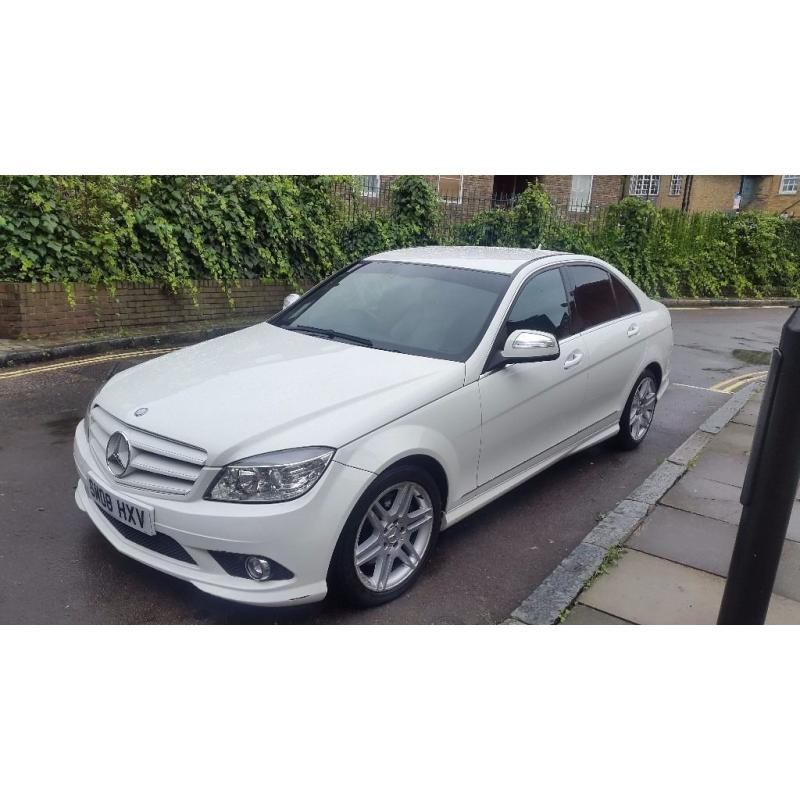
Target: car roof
{"points": [[505, 260]]}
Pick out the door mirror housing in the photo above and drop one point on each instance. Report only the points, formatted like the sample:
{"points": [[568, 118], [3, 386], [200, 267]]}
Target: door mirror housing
{"points": [[290, 299], [530, 346]]}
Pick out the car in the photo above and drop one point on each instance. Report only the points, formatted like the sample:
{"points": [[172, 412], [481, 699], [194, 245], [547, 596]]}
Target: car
{"points": [[327, 447]]}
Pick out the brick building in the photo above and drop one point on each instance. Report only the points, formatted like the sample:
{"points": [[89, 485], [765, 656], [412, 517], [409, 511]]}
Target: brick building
{"points": [[577, 192], [775, 194]]}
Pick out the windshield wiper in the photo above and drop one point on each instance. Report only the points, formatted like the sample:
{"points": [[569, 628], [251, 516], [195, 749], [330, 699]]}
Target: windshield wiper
{"points": [[332, 334]]}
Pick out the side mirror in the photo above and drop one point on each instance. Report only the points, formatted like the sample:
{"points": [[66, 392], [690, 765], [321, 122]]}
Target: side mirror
{"points": [[290, 299], [531, 346]]}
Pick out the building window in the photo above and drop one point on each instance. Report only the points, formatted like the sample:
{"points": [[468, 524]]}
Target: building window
{"points": [[451, 188], [580, 193], [789, 184], [370, 185], [675, 185], [644, 185]]}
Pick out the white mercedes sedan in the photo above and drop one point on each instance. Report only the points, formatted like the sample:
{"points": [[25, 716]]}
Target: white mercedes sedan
{"points": [[326, 448]]}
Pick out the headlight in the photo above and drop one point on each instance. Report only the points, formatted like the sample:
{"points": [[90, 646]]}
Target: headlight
{"points": [[271, 477]]}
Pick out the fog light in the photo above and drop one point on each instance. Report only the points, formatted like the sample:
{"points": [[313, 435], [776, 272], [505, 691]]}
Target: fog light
{"points": [[257, 568]]}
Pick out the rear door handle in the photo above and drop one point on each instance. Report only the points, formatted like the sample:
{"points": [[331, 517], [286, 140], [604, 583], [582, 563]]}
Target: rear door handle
{"points": [[633, 329], [573, 359]]}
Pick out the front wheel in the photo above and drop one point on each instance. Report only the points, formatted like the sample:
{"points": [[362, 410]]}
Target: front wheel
{"points": [[388, 537], [637, 416]]}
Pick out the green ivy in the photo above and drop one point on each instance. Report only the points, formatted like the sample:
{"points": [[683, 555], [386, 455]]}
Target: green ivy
{"points": [[168, 229], [176, 229]]}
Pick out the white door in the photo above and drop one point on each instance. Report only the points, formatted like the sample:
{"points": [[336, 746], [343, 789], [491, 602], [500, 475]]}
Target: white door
{"points": [[529, 408], [607, 315]]}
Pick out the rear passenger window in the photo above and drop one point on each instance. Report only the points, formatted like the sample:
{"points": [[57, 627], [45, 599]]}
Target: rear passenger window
{"points": [[592, 295], [541, 306], [626, 302]]}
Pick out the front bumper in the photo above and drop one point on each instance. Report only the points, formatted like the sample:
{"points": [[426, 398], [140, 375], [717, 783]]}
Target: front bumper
{"points": [[300, 534]]}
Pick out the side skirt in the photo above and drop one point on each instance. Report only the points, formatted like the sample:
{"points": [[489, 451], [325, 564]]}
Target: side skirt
{"points": [[483, 495]]}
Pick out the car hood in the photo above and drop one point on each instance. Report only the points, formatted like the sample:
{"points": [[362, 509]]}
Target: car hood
{"points": [[265, 388]]}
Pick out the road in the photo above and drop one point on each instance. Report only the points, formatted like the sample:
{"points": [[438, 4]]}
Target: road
{"points": [[56, 568]]}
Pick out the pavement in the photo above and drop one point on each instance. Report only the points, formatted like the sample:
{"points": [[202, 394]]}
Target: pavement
{"points": [[673, 566], [55, 567]]}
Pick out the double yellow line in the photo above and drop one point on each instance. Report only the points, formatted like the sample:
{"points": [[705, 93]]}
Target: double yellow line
{"points": [[80, 362], [732, 385]]}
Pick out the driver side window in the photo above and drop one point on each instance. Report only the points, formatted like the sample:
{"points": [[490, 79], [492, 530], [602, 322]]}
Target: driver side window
{"points": [[542, 305]]}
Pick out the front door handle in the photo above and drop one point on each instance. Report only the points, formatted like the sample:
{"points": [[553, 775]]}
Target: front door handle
{"points": [[633, 329], [573, 359]]}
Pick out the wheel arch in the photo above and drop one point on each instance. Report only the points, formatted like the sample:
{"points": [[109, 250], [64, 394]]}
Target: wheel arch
{"points": [[432, 466]]}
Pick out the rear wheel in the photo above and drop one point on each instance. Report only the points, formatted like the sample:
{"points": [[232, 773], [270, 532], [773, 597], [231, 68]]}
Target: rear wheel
{"points": [[387, 538], [637, 416]]}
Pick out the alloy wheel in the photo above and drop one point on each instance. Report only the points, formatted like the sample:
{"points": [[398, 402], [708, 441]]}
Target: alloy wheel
{"points": [[643, 408], [393, 536]]}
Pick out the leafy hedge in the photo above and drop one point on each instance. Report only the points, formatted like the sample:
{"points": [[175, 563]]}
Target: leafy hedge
{"points": [[667, 252], [297, 229], [168, 229]]}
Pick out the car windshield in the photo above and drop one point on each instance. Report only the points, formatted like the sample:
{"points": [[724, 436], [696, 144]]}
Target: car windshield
{"points": [[441, 312]]}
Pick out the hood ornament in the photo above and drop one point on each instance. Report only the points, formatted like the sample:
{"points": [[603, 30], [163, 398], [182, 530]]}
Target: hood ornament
{"points": [[140, 412]]}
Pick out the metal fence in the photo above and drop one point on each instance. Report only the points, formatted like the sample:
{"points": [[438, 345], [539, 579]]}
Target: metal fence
{"points": [[374, 200]]}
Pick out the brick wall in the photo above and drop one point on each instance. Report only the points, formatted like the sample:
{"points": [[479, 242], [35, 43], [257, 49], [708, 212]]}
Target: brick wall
{"points": [[41, 310], [713, 192], [767, 197], [606, 189]]}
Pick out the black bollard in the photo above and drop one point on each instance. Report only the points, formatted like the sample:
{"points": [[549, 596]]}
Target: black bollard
{"points": [[769, 488]]}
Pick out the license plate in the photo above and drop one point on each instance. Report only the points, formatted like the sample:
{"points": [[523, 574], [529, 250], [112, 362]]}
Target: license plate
{"points": [[135, 516]]}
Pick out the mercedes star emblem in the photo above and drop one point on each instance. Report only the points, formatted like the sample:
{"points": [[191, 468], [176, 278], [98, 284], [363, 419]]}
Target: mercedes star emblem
{"points": [[118, 454]]}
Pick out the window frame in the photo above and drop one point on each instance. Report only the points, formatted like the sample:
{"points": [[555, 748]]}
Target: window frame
{"points": [[633, 296], [494, 360], [652, 180], [365, 191], [575, 317], [794, 179], [577, 207], [450, 200], [675, 185]]}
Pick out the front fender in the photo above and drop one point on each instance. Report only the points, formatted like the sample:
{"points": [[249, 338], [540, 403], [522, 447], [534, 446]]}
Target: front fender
{"points": [[447, 430]]}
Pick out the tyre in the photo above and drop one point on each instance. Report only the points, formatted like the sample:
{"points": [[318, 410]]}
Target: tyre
{"points": [[637, 416], [387, 538]]}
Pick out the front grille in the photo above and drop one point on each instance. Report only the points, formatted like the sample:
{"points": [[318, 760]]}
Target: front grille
{"points": [[160, 543], [157, 464], [233, 564]]}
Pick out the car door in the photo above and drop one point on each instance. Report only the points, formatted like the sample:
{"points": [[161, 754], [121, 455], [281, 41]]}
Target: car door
{"points": [[528, 408], [607, 316]]}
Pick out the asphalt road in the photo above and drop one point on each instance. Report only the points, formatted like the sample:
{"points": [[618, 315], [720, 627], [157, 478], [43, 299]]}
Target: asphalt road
{"points": [[56, 567]]}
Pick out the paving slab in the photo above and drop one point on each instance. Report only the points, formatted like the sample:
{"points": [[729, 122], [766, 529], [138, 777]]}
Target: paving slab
{"points": [[653, 591], [586, 615], [689, 539], [721, 467], [718, 500], [707, 544], [749, 414], [736, 440], [705, 496]]}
